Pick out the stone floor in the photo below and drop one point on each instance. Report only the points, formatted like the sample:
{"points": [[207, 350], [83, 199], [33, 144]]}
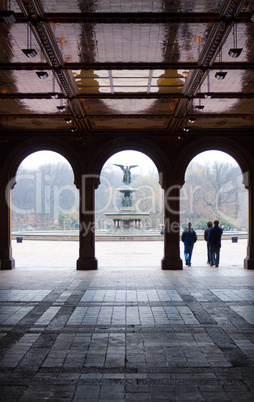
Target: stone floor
{"points": [[126, 332]]}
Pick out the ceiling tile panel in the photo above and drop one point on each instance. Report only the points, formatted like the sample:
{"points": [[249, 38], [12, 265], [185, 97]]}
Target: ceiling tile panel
{"points": [[129, 123], [122, 6], [116, 66], [130, 106]]}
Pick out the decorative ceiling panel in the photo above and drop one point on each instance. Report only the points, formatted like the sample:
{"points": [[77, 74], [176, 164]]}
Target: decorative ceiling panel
{"points": [[223, 123], [225, 106], [130, 42], [134, 6], [11, 106], [106, 64], [33, 124], [148, 123], [129, 81], [129, 106]]}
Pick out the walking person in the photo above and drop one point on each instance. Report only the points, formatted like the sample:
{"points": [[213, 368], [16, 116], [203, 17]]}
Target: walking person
{"points": [[214, 240], [206, 231], [189, 237]]}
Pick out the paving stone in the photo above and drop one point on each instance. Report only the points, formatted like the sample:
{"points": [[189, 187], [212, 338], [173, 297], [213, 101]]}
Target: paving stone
{"points": [[127, 333]]}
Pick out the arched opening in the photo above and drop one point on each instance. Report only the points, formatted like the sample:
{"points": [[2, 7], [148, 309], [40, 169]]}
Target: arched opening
{"points": [[45, 210], [214, 189], [129, 212]]}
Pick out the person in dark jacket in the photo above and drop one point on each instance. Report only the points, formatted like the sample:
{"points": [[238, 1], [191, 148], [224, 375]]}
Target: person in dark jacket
{"points": [[206, 231], [214, 240], [189, 237]]}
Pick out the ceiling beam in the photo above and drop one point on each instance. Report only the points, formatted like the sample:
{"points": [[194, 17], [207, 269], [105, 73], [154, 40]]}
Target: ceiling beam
{"points": [[217, 36], [131, 18], [128, 116], [33, 11], [128, 66], [177, 95]]}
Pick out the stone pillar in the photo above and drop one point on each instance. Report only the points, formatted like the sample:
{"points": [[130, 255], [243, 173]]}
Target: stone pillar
{"points": [[6, 260], [249, 184], [172, 260], [87, 260]]}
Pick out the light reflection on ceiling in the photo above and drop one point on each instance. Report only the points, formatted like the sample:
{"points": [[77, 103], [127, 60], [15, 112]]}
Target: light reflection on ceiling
{"points": [[129, 81]]}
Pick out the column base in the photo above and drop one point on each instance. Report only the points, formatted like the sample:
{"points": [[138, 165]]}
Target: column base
{"points": [[249, 263], [7, 264], [171, 264], [87, 264]]}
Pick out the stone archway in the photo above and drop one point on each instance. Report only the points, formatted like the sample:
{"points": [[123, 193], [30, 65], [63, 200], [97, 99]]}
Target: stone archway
{"points": [[245, 162], [169, 182], [8, 180]]}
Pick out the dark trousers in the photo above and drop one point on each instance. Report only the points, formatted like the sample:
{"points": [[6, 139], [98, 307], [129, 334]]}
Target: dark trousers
{"points": [[208, 253], [188, 253], [214, 255]]}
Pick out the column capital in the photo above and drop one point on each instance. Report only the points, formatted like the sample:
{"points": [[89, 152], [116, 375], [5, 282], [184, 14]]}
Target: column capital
{"points": [[91, 179], [171, 181], [248, 180]]}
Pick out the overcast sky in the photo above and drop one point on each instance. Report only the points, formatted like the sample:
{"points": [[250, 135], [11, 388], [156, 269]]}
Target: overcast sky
{"points": [[124, 158]]}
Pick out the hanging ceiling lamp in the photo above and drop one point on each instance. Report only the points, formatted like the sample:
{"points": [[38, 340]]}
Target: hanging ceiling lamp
{"points": [[42, 74], [7, 14], [53, 94], [208, 94], [235, 52], [29, 51], [220, 75]]}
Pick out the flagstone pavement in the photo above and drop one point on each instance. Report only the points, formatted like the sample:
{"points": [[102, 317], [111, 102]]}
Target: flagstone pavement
{"points": [[128, 331]]}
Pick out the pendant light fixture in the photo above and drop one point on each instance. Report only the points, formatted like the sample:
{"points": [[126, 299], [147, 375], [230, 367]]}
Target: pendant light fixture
{"points": [[29, 51], [192, 119], [68, 119], [208, 94], [235, 52], [42, 74], [7, 14], [186, 128], [74, 128], [199, 106], [53, 94], [61, 107], [220, 75]]}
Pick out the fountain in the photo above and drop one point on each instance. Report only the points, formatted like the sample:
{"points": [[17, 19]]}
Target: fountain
{"points": [[127, 220]]}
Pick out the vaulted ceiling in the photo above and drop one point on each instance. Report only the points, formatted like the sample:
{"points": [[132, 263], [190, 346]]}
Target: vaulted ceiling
{"points": [[118, 65]]}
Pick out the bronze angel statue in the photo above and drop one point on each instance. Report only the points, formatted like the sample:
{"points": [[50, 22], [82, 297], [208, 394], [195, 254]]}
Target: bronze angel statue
{"points": [[126, 173]]}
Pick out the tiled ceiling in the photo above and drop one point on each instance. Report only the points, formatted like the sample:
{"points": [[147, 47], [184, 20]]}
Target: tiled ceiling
{"points": [[127, 65]]}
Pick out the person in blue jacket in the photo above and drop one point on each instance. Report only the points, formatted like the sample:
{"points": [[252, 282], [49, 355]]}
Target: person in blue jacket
{"points": [[189, 237], [214, 241]]}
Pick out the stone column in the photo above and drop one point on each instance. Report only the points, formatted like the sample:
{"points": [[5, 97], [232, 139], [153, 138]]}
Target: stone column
{"points": [[249, 184], [172, 260], [6, 260], [87, 260]]}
